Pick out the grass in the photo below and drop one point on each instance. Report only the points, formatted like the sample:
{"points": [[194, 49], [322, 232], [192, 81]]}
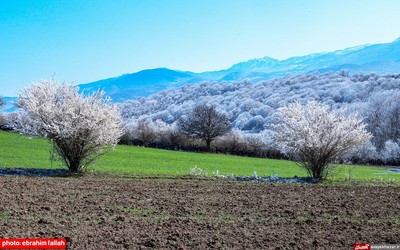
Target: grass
{"points": [[137, 160], [24, 151], [28, 152]]}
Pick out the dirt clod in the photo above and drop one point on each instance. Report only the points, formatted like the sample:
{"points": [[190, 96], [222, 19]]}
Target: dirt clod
{"points": [[123, 213]]}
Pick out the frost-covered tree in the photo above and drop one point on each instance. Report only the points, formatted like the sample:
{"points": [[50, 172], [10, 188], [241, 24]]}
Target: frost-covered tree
{"points": [[232, 142], [205, 123], [2, 103], [362, 154], [81, 128], [382, 114], [145, 133], [251, 107], [390, 152], [3, 118], [316, 137]]}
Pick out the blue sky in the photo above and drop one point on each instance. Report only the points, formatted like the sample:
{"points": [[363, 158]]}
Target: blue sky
{"points": [[83, 41]]}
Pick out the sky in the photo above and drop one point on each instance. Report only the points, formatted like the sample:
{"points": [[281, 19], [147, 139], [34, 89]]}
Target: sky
{"points": [[84, 41]]}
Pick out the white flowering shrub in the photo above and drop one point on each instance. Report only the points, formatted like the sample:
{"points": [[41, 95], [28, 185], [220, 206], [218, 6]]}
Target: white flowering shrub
{"points": [[80, 127], [315, 137]]}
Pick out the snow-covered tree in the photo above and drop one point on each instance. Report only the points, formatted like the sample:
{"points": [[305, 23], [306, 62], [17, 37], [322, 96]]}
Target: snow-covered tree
{"points": [[373, 97], [81, 128], [316, 137], [2, 103], [362, 154], [382, 114], [390, 152], [3, 118], [206, 123]]}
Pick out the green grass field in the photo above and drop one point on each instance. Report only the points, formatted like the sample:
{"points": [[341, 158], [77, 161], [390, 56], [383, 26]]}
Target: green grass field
{"points": [[24, 151]]}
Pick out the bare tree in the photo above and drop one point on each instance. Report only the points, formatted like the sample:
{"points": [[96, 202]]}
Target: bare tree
{"points": [[145, 133], [205, 123], [80, 128], [315, 137]]}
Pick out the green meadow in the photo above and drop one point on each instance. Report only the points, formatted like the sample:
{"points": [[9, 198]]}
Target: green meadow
{"points": [[30, 152]]}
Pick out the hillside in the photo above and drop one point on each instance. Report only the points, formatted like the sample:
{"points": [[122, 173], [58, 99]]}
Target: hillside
{"points": [[142, 83], [252, 108], [376, 58]]}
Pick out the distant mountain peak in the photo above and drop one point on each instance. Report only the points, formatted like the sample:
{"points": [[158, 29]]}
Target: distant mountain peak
{"points": [[351, 49], [254, 64], [378, 58], [157, 72], [141, 83], [267, 59], [163, 69]]}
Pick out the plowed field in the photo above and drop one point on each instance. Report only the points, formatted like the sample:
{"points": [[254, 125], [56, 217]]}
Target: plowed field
{"points": [[110, 212]]}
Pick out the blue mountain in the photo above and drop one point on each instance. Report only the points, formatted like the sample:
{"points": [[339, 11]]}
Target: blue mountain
{"points": [[9, 101], [142, 83], [376, 58]]}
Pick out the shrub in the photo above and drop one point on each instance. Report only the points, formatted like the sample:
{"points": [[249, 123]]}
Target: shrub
{"points": [[315, 137], [80, 128]]}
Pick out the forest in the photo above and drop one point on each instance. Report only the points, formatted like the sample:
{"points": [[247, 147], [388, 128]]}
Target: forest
{"points": [[252, 107]]}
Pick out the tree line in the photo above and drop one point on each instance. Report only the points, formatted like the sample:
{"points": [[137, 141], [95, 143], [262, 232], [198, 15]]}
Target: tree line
{"points": [[82, 128], [252, 108]]}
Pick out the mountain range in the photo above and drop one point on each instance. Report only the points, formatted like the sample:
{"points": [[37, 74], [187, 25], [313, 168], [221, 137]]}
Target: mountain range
{"points": [[378, 58]]}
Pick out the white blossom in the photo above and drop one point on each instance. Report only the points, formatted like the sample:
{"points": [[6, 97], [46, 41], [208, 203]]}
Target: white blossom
{"points": [[315, 136], [81, 128]]}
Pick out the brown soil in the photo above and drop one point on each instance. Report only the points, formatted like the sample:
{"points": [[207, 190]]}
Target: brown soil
{"points": [[121, 213]]}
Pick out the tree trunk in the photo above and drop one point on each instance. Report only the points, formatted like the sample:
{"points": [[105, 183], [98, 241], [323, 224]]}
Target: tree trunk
{"points": [[74, 165], [208, 145]]}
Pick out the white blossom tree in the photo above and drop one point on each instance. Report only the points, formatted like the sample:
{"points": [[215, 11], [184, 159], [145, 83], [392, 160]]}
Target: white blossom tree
{"points": [[80, 127], [316, 137]]}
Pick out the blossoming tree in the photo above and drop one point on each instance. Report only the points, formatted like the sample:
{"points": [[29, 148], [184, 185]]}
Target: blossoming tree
{"points": [[80, 127], [316, 137]]}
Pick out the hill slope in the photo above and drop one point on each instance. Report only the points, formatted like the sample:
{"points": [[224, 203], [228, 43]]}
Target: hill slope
{"points": [[142, 83], [377, 58], [252, 108]]}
